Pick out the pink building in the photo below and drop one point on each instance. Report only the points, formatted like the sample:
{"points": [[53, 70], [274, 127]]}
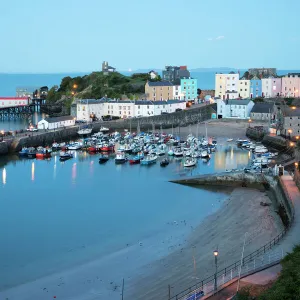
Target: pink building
{"points": [[291, 85], [13, 101]]}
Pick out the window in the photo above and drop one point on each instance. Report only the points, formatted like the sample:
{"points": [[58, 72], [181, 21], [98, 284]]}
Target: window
{"points": [[129, 112], [147, 106], [128, 107], [154, 89], [120, 113], [154, 95], [138, 107], [124, 107], [228, 78], [246, 90], [120, 107], [192, 82], [220, 86], [168, 88]]}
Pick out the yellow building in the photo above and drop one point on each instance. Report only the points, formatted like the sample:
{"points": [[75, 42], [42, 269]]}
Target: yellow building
{"points": [[159, 90]]}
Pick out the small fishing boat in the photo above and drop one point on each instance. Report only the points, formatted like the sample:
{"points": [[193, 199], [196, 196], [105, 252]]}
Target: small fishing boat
{"points": [[43, 153], [56, 147], [103, 159], [149, 159], [24, 152], [120, 157], [85, 131], [135, 160], [190, 162], [229, 140], [107, 148], [178, 152], [204, 154], [164, 162], [31, 152], [65, 156], [74, 146], [104, 129]]}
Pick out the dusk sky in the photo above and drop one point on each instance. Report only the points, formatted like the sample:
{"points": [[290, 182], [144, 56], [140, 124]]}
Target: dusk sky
{"points": [[48, 36]]}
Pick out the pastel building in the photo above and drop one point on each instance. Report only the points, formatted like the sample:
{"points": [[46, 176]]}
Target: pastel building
{"points": [[291, 85], [271, 87], [255, 87], [88, 109], [244, 88], [238, 109], [189, 88], [177, 93], [159, 90], [226, 85]]}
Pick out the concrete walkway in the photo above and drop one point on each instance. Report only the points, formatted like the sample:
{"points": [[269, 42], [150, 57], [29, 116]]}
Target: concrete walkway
{"points": [[260, 278]]}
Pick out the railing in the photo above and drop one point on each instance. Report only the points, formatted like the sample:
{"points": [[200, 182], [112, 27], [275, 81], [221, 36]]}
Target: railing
{"points": [[230, 272], [184, 295]]}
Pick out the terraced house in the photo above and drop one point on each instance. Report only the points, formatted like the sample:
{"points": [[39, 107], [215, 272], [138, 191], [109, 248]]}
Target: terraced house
{"points": [[159, 90]]}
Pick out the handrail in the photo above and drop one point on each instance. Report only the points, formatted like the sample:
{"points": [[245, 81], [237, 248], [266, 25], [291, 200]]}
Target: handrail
{"points": [[246, 259]]}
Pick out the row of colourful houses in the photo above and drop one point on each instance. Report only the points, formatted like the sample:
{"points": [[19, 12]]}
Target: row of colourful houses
{"points": [[231, 86], [166, 90]]}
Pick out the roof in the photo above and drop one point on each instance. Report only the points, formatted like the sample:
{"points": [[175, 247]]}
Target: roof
{"points": [[13, 98], [160, 83], [288, 112], [59, 119], [91, 101], [262, 107], [237, 102]]}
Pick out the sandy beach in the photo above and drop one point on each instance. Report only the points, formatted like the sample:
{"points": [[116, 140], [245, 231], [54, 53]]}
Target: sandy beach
{"points": [[224, 230]]}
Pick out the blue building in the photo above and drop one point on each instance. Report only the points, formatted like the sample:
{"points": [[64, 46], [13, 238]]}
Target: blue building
{"points": [[189, 88], [255, 87]]}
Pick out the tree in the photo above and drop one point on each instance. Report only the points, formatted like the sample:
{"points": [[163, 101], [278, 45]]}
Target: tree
{"points": [[65, 83]]}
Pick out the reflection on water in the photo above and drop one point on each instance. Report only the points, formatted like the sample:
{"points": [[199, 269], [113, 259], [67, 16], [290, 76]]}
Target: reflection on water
{"points": [[74, 173], [231, 158], [32, 171], [4, 176]]}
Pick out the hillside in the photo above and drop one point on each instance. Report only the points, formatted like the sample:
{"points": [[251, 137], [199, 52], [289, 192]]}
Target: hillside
{"points": [[97, 85]]}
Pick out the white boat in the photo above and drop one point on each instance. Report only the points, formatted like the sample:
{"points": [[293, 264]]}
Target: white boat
{"points": [[178, 152], [104, 129], [148, 160], [85, 131], [74, 146], [120, 157], [204, 154], [65, 155], [229, 140], [190, 162], [260, 149]]}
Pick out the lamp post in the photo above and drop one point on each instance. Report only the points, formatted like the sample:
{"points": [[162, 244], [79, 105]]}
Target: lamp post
{"points": [[216, 253], [296, 165], [290, 131], [249, 121], [2, 135]]}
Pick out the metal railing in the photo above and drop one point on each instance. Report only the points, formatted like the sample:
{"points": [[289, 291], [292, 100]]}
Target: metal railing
{"points": [[229, 269]]}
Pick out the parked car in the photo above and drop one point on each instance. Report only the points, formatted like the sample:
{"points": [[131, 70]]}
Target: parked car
{"points": [[178, 109], [164, 113]]}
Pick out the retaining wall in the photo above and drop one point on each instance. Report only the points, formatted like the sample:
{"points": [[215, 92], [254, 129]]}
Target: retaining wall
{"points": [[3, 148]]}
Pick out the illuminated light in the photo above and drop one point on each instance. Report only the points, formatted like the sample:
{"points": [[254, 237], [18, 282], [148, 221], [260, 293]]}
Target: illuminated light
{"points": [[293, 107], [4, 176], [32, 171], [216, 253], [291, 144], [74, 172], [75, 86]]}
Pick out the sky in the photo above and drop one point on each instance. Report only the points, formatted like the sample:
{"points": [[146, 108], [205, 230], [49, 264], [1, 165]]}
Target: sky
{"points": [[50, 36]]}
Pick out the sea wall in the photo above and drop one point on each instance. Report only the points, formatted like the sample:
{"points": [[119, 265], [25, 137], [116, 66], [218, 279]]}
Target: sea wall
{"points": [[3, 148], [273, 186], [182, 118]]}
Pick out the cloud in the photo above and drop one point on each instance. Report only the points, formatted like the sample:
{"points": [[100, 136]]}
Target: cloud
{"points": [[220, 37]]}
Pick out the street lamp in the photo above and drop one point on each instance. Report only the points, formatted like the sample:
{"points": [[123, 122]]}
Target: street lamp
{"points": [[290, 131], [75, 86], [216, 253], [2, 134], [249, 121], [292, 144]]}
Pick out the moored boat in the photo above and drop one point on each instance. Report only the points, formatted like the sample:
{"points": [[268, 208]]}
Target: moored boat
{"points": [[31, 152], [120, 157], [190, 162], [24, 152], [65, 156], [41, 154], [164, 162], [149, 159], [103, 159], [135, 160]]}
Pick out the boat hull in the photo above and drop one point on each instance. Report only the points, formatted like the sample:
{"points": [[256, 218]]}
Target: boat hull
{"points": [[120, 161]]}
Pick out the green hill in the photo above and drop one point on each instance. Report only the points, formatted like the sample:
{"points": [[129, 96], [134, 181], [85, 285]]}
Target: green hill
{"points": [[97, 85]]}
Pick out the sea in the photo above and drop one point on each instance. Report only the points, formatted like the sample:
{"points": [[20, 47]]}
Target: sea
{"points": [[57, 215]]}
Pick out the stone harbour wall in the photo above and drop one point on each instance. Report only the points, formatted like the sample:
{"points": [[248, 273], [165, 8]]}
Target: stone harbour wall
{"points": [[4, 148]]}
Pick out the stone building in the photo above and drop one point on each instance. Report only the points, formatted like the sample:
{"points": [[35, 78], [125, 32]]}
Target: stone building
{"points": [[291, 122], [263, 111]]}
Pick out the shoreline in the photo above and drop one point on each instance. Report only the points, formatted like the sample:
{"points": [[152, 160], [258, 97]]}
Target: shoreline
{"points": [[150, 280]]}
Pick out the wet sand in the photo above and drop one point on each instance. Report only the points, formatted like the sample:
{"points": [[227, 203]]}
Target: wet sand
{"points": [[224, 230]]}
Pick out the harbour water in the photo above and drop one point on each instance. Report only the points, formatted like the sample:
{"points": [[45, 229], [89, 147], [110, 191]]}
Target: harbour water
{"points": [[56, 215]]}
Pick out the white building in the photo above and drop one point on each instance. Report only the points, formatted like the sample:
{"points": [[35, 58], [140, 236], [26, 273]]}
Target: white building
{"points": [[177, 93], [226, 85], [88, 109], [271, 87], [239, 109], [57, 122], [13, 101], [244, 88], [119, 108]]}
